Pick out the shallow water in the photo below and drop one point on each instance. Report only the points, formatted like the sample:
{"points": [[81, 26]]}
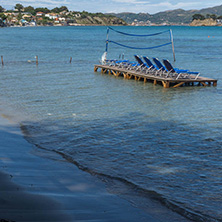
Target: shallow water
{"points": [[163, 140]]}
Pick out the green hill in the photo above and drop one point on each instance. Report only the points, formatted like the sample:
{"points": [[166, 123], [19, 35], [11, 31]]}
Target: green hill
{"points": [[178, 16]]}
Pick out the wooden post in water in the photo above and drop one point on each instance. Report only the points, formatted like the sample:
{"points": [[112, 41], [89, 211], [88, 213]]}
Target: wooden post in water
{"points": [[2, 60], [37, 60], [70, 61]]}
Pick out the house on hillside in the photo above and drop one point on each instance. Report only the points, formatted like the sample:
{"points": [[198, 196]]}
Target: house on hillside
{"points": [[23, 22], [39, 14], [51, 16], [219, 21], [25, 16]]}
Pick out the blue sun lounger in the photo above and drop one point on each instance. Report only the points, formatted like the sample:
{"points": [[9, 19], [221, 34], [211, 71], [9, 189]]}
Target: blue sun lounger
{"points": [[120, 63], [154, 69], [141, 65], [139, 60], [179, 71], [159, 64], [149, 63], [169, 72]]}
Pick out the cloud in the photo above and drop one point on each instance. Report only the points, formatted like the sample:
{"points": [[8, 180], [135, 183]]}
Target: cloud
{"points": [[146, 6], [132, 2], [34, 3], [153, 7]]}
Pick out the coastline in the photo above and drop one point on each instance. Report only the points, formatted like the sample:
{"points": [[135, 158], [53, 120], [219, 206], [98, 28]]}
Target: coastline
{"points": [[98, 25], [37, 185]]}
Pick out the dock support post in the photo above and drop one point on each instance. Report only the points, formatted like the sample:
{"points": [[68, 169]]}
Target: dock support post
{"points": [[203, 83], [95, 68], [179, 84], [166, 84], [215, 84], [154, 82]]}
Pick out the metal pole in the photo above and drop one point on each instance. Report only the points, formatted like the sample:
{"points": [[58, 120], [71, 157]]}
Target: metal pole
{"points": [[107, 39], [171, 38]]}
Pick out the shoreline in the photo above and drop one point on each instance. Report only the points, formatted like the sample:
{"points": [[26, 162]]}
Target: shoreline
{"points": [[39, 185], [97, 25]]}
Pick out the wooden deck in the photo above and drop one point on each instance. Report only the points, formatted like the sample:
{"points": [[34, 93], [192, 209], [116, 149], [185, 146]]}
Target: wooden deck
{"points": [[165, 81]]}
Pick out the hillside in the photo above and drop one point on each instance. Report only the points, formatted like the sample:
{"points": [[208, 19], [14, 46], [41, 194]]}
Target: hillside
{"points": [[29, 16], [178, 16], [98, 19], [129, 17]]}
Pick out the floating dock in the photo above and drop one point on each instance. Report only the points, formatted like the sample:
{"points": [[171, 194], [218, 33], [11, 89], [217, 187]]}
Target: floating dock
{"points": [[166, 82]]}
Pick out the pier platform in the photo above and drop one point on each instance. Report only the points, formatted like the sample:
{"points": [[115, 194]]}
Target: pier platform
{"points": [[167, 81]]}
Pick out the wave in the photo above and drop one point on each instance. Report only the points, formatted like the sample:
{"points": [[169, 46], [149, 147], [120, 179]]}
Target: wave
{"points": [[123, 187]]}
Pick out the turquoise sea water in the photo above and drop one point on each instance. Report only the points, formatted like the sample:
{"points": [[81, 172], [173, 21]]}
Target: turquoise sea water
{"points": [[164, 142]]}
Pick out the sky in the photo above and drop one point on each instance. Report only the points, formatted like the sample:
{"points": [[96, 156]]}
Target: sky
{"points": [[116, 6]]}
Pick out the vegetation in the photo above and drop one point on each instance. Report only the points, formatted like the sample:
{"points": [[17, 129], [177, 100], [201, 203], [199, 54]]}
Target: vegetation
{"points": [[62, 15], [56, 16], [61, 9], [178, 16], [198, 16], [3, 16], [1, 9], [208, 16], [19, 7]]}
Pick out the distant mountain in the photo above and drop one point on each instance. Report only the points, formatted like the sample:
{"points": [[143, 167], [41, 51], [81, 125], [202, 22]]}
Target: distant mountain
{"points": [[130, 17], [178, 16], [217, 10]]}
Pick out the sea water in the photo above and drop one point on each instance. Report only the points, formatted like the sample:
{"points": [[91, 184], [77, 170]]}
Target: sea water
{"points": [[164, 142]]}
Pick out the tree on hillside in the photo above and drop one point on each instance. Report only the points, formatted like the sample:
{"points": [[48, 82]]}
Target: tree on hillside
{"points": [[44, 10], [1, 9], [198, 16], [61, 9], [55, 10], [213, 16], [19, 17], [19, 7], [29, 9], [3, 16]]}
